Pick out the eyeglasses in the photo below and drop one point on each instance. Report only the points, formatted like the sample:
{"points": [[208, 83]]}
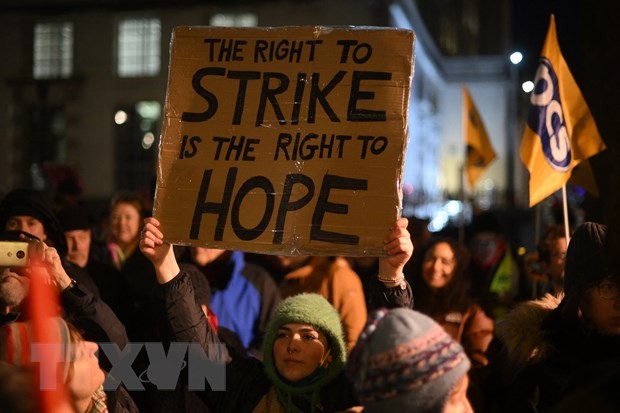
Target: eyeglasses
{"points": [[609, 289]]}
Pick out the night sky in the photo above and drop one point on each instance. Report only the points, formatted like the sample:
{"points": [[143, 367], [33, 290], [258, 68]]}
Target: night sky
{"points": [[530, 25]]}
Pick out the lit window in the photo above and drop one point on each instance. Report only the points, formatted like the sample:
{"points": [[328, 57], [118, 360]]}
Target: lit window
{"points": [[53, 50], [139, 47], [234, 20], [136, 135]]}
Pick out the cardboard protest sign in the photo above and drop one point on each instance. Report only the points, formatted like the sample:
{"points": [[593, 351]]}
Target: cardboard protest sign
{"points": [[284, 140]]}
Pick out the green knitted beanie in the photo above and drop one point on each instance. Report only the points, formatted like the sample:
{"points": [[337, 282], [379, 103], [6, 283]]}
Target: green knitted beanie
{"points": [[310, 309]]}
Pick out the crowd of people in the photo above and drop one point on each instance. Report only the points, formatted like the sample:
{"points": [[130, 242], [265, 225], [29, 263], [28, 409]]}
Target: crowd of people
{"points": [[448, 326]]}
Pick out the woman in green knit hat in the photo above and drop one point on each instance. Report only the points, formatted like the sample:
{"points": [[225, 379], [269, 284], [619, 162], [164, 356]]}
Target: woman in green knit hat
{"points": [[303, 347], [308, 352]]}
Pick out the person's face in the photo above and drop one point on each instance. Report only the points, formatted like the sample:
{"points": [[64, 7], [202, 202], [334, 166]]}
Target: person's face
{"points": [[87, 375], [484, 246], [13, 287], [438, 265], [78, 242], [602, 306], [298, 350], [557, 257], [28, 224], [458, 401], [125, 223]]}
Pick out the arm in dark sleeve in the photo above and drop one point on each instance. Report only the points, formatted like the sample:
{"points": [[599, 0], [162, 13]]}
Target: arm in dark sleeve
{"points": [[188, 324], [93, 316], [186, 320], [382, 296]]}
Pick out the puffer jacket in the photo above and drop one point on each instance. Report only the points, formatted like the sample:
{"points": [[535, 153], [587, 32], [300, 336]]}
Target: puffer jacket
{"points": [[522, 334]]}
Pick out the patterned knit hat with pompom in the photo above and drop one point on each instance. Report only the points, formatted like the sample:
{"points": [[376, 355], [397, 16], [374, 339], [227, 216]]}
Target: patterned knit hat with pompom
{"points": [[405, 362]]}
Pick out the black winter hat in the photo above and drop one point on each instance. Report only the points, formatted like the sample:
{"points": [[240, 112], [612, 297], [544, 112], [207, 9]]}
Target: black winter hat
{"points": [[74, 218], [586, 258], [25, 201]]}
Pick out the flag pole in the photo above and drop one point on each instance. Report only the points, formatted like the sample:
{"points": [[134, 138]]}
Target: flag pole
{"points": [[463, 169], [565, 208], [537, 225]]}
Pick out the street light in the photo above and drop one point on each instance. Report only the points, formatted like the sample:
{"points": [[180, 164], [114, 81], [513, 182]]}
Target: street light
{"points": [[527, 86], [516, 58]]}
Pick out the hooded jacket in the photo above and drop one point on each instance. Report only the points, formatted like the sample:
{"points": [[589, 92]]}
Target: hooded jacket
{"points": [[522, 334], [550, 358]]}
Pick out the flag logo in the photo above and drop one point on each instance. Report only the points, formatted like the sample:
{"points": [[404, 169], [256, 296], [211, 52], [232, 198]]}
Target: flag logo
{"points": [[560, 131], [546, 118]]}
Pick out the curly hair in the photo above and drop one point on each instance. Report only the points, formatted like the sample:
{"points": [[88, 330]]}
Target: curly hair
{"points": [[455, 296]]}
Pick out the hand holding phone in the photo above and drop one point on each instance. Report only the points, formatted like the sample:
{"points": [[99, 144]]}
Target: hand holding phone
{"points": [[14, 254]]}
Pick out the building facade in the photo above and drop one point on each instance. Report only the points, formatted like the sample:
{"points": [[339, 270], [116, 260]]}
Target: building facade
{"points": [[84, 84]]}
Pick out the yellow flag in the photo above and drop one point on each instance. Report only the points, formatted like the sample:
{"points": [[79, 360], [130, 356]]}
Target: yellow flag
{"points": [[480, 152], [583, 176], [560, 131]]}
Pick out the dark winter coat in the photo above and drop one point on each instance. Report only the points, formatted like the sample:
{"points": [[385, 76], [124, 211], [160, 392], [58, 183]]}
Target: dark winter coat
{"points": [[119, 401], [248, 389], [550, 359]]}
